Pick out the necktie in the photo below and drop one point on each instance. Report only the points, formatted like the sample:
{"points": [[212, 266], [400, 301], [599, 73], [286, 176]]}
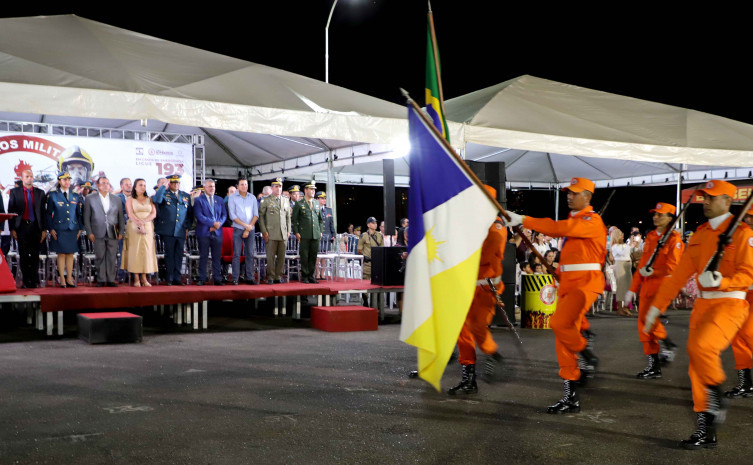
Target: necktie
{"points": [[66, 195]]}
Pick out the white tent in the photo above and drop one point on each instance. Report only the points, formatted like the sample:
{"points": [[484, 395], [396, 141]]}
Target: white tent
{"points": [[547, 132], [73, 72], [76, 72]]}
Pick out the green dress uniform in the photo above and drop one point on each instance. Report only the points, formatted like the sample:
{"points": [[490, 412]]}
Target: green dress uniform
{"points": [[308, 221], [365, 243], [274, 219]]}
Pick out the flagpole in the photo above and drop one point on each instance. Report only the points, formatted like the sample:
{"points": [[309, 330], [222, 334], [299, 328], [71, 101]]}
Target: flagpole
{"points": [[436, 59], [518, 229]]}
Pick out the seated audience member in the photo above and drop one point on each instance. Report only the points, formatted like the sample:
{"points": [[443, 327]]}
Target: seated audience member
{"points": [[526, 268]]}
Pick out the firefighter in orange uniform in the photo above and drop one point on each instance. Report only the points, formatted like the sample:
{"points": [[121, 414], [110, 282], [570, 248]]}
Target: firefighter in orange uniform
{"points": [[475, 331], [581, 282], [742, 344], [647, 282], [720, 310]]}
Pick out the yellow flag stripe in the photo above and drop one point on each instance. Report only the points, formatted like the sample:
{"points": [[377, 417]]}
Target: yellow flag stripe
{"points": [[451, 294]]}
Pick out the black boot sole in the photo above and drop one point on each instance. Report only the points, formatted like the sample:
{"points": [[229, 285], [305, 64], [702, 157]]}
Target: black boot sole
{"points": [[687, 446]]}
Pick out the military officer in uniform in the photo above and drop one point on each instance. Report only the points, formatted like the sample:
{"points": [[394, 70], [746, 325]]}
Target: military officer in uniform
{"points": [[329, 224], [174, 215], [295, 194], [307, 223], [274, 224], [64, 218], [371, 238]]}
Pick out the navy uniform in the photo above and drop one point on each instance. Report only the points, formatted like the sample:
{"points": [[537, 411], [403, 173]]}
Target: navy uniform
{"points": [[295, 188], [329, 221], [174, 216], [308, 222], [64, 212]]}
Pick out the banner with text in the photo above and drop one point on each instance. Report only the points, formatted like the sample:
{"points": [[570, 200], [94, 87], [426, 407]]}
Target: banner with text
{"points": [[86, 159]]}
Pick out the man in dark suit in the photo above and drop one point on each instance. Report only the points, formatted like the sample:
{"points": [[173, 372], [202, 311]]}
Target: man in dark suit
{"points": [[210, 213], [29, 227], [104, 222]]}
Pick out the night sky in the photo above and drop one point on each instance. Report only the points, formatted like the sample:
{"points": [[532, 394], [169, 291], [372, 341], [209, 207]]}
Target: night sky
{"points": [[688, 56]]}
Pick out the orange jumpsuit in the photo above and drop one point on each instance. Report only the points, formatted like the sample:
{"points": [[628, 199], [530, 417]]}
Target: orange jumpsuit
{"points": [[742, 344], [585, 244], [718, 313], [666, 261], [476, 327]]}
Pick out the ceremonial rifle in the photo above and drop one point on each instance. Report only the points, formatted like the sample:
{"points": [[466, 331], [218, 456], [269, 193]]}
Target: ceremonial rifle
{"points": [[665, 237], [501, 307], [726, 237], [606, 204]]}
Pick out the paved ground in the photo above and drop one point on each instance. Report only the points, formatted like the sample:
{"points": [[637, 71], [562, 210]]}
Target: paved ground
{"points": [[260, 390]]}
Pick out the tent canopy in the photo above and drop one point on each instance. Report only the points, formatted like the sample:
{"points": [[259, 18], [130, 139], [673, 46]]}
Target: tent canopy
{"points": [[85, 73], [547, 132], [79, 72]]}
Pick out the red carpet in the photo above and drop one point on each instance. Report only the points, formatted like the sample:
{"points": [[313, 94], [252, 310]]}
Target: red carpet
{"points": [[55, 299]]}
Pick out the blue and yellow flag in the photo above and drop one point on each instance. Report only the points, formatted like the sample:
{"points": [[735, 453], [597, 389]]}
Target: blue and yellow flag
{"points": [[434, 104], [449, 218]]}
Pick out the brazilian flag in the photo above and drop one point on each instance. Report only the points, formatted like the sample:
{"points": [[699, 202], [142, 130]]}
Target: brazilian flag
{"points": [[434, 104]]}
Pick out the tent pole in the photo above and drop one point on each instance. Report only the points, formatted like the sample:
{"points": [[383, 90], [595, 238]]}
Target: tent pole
{"points": [[556, 204], [678, 200], [331, 197]]}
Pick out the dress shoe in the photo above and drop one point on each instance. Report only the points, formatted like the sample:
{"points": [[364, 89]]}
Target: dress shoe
{"points": [[199, 283], [219, 283], [71, 284], [169, 283], [313, 281], [100, 284], [179, 283], [278, 281], [112, 284], [235, 283]]}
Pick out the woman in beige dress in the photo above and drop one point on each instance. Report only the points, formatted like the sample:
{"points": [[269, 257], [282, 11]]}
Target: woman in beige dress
{"points": [[139, 253]]}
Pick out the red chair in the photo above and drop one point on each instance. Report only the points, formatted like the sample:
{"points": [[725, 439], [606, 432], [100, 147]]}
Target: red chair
{"points": [[227, 249]]}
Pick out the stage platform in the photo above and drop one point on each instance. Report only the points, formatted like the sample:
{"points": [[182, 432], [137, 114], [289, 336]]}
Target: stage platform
{"points": [[50, 302]]}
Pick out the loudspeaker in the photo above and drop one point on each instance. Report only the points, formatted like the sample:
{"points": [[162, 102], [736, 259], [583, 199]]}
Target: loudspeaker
{"points": [[386, 263], [493, 174]]}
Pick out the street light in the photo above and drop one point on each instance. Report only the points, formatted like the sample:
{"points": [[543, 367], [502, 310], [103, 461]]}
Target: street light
{"points": [[326, 43]]}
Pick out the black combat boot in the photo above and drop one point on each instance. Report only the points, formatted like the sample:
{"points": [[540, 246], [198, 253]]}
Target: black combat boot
{"points": [[667, 351], [590, 337], [569, 402], [590, 363], [492, 363], [704, 436], [653, 370], [744, 386], [467, 383]]}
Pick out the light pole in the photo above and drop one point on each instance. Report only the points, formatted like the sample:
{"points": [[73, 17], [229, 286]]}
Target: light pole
{"points": [[326, 43]]}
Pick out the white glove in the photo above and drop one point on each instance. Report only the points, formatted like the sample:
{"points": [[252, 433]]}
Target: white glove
{"points": [[651, 316], [629, 297], [515, 219], [645, 273], [710, 279]]}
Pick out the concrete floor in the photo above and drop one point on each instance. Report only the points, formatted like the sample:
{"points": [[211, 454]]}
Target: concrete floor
{"points": [[273, 391]]}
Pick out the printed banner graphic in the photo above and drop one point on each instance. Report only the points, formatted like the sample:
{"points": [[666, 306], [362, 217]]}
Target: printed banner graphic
{"points": [[86, 159]]}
